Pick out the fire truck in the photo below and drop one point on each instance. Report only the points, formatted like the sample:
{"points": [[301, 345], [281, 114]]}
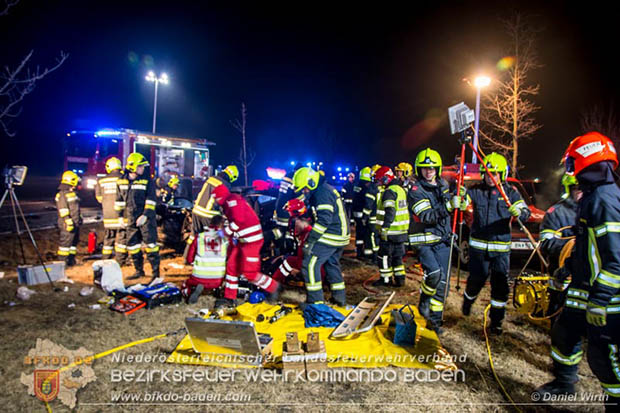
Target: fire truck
{"points": [[86, 152]]}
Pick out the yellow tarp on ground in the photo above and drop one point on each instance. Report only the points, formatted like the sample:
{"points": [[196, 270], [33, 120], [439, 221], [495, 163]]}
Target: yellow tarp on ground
{"points": [[368, 350]]}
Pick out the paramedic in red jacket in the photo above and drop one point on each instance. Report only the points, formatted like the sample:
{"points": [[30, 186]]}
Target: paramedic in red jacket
{"points": [[246, 235]]}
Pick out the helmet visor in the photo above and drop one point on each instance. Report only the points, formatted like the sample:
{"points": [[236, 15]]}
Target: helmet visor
{"points": [[569, 164]]}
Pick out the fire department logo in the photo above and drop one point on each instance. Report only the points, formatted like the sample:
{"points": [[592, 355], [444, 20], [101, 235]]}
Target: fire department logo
{"points": [[46, 384]]}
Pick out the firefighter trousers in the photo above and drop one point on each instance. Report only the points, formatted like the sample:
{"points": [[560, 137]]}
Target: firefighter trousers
{"points": [[362, 245], [146, 234], [481, 265], [566, 344], [603, 358], [114, 241], [67, 243], [244, 259], [390, 259], [371, 240], [328, 257], [434, 260]]}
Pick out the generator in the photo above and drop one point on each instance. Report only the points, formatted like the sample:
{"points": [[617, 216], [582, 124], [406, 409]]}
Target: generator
{"points": [[530, 295]]}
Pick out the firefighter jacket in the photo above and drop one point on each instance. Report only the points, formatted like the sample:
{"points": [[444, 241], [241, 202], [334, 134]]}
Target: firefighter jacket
{"points": [[243, 223], [557, 226], [427, 203], [595, 262], [347, 192], [491, 229], [68, 206], [393, 214], [285, 194], [135, 197], [331, 226], [359, 198], [205, 205], [370, 203], [105, 192]]}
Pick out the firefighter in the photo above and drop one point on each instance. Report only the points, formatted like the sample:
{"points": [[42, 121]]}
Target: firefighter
{"points": [[369, 213], [363, 245], [329, 235], [114, 232], [404, 172], [135, 205], [392, 225], [246, 239], [558, 226], [284, 239], [205, 207], [69, 217], [489, 242], [347, 194], [592, 304], [430, 204], [166, 191]]}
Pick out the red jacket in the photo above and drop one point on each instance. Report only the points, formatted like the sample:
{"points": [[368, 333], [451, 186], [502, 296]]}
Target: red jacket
{"points": [[243, 223]]}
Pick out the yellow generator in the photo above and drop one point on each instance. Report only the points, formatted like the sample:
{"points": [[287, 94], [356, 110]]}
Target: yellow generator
{"points": [[530, 295]]}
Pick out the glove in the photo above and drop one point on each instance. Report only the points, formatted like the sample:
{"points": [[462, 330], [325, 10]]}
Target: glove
{"points": [[141, 220], [559, 276], [514, 211], [456, 202], [384, 234], [596, 315]]}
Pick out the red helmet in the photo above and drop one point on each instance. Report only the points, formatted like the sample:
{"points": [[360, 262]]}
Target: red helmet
{"points": [[295, 207], [587, 150], [384, 175], [220, 193]]}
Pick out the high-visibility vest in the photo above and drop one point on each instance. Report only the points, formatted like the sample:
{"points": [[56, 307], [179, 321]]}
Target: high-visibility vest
{"points": [[400, 225], [210, 260]]}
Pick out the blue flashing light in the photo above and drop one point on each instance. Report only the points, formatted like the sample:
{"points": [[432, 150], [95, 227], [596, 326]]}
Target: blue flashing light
{"points": [[339, 169], [309, 164], [333, 177], [292, 163], [107, 133], [347, 169]]}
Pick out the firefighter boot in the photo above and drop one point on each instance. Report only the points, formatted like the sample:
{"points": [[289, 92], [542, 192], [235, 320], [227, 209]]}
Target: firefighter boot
{"points": [[138, 264], [339, 298], [466, 308], [399, 281], [555, 387], [424, 307], [70, 261]]}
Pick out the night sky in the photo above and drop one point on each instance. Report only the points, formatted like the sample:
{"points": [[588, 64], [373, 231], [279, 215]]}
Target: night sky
{"points": [[337, 82]]}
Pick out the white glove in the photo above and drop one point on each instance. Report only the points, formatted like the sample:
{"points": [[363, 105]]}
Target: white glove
{"points": [[141, 220], [456, 202]]}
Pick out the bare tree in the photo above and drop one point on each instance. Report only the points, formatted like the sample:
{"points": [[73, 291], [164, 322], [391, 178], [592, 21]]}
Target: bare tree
{"points": [[602, 119], [20, 81], [507, 114], [246, 156]]}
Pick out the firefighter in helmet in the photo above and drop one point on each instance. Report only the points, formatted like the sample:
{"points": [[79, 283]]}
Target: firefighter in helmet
{"points": [[69, 217], [114, 231], [135, 205], [490, 238]]}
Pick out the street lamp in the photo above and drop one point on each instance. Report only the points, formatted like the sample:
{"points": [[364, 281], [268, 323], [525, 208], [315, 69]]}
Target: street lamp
{"points": [[479, 82], [163, 78]]}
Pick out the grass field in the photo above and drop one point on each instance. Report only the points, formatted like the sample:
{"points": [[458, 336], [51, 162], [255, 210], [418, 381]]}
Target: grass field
{"points": [[521, 354]]}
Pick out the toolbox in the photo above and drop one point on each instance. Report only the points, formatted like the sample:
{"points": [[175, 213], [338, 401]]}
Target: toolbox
{"points": [[159, 294], [127, 305]]}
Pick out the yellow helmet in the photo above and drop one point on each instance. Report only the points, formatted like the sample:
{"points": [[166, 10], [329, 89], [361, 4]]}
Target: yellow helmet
{"points": [[174, 180], [428, 158], [495, 163], [366, 174], [232, 171], [305, 178], [405, 167], [70, 178], [113, 164], [374, 169], [134, 160]]}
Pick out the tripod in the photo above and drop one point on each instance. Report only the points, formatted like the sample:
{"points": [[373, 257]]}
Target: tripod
{"points": [[15, 206]]}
